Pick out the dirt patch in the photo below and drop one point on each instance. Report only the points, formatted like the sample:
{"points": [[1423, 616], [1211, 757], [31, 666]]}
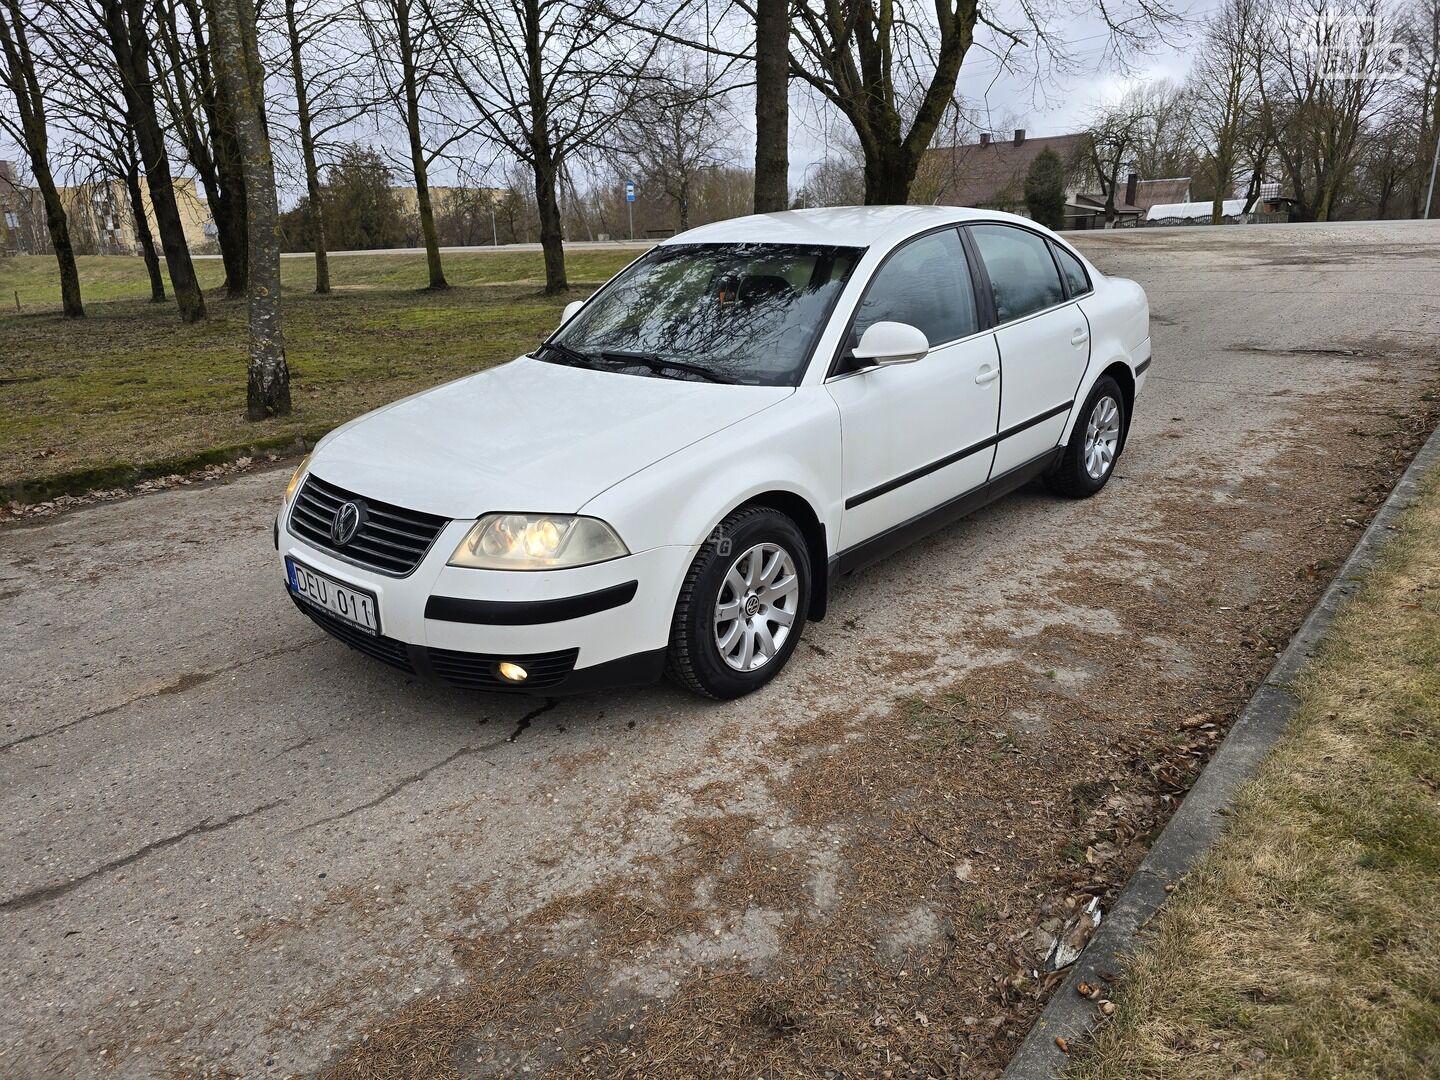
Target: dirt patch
{"points": [[889, 909]]}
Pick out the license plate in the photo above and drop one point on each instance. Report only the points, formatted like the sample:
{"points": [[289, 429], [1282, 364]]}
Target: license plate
{"points": [[356, 606]]}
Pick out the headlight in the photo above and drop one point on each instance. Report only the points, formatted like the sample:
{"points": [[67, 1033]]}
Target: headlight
{"points": [[537, 542], [299, 475]]}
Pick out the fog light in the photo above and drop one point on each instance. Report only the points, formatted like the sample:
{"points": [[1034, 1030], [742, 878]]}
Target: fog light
{"points": [[512, 672]]}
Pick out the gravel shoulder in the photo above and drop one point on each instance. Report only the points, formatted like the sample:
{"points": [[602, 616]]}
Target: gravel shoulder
{"points": [[237, 848]]}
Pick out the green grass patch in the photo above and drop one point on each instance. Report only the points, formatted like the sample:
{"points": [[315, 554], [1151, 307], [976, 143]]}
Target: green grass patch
{"points": [[130, 392], [1307, 944]]}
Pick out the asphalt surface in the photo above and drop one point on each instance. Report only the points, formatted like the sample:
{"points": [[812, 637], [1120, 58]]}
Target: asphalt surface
{"points": [[217, 819]]}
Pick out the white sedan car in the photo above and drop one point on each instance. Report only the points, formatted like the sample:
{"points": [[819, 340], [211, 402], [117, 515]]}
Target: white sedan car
{"points": [[676, 477]]}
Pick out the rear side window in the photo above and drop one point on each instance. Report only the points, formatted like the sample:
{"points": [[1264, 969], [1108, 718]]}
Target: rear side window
{"points": [[926, 283], [1075, 277], [1022, 273]]}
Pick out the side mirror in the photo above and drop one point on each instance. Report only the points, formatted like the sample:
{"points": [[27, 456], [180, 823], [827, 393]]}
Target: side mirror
{"points": [[570, 310], [892, 343]]}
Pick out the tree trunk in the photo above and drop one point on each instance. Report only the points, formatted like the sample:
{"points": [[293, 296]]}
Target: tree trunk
{"points": [[552, 238], [143, 234], [889, 172], [547, 169], [59, 228], [772, 106], [238, 61], [227, 208], [307, 152], [417, 150], [211, 149], [129, 38], [21, 78]]}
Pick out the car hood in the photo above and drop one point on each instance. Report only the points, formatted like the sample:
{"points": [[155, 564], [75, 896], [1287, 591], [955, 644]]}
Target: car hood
{"points": [[526, 436]]}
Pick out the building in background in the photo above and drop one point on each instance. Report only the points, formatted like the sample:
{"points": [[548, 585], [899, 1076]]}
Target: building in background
{"points": [[990, 175], [98, 216]]}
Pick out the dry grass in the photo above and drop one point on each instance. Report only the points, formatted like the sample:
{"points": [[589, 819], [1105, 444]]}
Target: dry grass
{"points": [[1308, 944], [89, 402]]}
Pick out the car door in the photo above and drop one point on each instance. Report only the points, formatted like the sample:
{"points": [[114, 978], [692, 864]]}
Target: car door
{"points": [[1043, 337], [917, 435]]}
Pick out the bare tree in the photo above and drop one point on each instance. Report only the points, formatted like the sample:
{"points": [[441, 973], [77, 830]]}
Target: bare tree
{"points": [[1112, 140], [28, 125], [890, 66], [1419, 97], [199, 108], [545, 79], [833, 181], [326, 98], [1222, 90], [675, 130], [1321, 76], [129, 36], [237, 58], [1165, 145], [405, 44], [103, 149]]}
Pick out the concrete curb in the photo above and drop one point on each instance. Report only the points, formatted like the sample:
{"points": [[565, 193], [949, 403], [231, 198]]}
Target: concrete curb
{"points": [[1197, 823]]}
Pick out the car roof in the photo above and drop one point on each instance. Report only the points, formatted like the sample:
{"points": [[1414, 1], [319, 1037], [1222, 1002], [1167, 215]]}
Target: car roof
{"points": [[844, 226]]}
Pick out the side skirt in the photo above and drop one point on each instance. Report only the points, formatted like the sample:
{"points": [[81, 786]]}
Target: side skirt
{"points": [[907, 532]]}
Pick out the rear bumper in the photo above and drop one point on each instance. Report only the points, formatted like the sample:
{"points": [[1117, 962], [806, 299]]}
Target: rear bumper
{"points": [[550, 673]]}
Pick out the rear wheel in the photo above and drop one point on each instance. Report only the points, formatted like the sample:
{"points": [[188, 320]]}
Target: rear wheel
{"points": [[742, 606], [1094, 445]]}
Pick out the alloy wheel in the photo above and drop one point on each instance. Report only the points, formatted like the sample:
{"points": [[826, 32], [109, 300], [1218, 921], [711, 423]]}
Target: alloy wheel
{"points": [[759, 599], [1102, 437]]}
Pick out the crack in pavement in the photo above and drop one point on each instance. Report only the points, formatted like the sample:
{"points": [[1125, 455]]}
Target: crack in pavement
{"points": [[524, 722], [415, 777], [51, 892], [179, 686]]}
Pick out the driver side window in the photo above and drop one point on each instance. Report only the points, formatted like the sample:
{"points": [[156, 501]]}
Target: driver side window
{"points": [[926, 284]]}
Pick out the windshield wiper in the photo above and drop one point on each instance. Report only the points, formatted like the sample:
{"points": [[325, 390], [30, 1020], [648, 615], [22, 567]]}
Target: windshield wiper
{"points": [[659, 365], [574, 357]]}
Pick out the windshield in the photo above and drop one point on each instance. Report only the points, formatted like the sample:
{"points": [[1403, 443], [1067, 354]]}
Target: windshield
{"points": [[746, 313]]}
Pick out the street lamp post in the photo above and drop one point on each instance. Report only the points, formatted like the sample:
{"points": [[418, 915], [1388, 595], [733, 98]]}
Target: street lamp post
{"points": [[1434, 161]]}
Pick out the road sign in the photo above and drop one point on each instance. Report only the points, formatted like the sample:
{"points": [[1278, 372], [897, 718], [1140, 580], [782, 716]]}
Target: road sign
{"points": [[629, 190]]}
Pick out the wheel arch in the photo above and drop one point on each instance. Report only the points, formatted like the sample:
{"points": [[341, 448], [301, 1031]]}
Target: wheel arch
{"points": [[1125, 378], [798, 509]]}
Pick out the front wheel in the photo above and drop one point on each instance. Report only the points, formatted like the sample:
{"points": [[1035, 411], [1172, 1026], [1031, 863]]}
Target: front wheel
{"points": [[1094, 445], [742, 606]]}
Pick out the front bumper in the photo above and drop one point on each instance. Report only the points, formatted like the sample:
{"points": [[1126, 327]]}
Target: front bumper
{"points": [[573, 630], [549, 673]]}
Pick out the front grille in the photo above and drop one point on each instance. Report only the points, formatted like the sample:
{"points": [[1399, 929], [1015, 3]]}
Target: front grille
{"points": [[390, 539], [395, 653], [475, 671]]}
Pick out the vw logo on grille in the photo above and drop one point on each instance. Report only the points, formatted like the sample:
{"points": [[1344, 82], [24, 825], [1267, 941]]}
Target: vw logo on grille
{"points": [[346, 524]]}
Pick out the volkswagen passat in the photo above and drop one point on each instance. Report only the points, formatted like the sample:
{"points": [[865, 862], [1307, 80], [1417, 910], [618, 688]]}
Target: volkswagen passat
{"points": [[673, 480]]}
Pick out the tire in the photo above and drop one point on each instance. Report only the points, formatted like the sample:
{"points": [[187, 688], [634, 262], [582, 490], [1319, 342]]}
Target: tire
{"points": [[1094, 446], [706, 655]]}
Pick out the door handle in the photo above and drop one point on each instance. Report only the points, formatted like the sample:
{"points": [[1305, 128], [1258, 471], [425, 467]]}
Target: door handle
{"points": [[1079, 337], [987, 375]]}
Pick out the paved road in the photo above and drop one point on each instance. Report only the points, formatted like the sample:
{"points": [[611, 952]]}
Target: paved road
{"points": [[230, 840]]}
